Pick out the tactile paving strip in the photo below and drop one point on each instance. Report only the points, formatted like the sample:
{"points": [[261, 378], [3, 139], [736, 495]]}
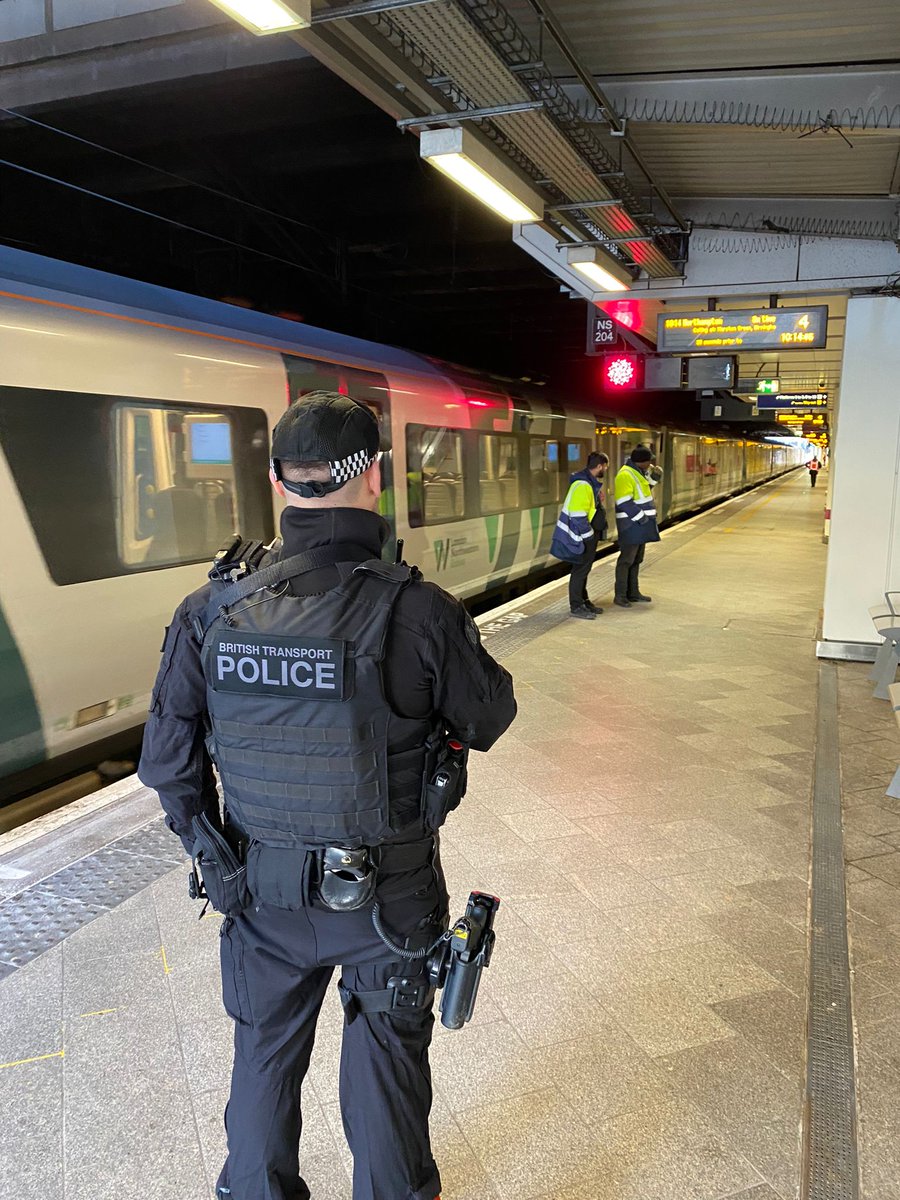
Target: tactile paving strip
{"points": [[41, 916], [36, 920], [830, 1134]]}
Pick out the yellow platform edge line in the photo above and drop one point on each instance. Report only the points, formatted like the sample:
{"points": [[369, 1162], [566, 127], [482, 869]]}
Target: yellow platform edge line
{"points": [[20, 1062], [99, 1012], [165, 961]]}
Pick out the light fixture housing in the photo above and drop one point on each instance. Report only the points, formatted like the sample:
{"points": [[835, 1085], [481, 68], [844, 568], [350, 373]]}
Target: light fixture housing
{"points": [[464, 159], [599, 268], [268, 16]]}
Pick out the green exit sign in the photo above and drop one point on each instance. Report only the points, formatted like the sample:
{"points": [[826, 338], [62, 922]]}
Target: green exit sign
{"points": [[765, 387]]}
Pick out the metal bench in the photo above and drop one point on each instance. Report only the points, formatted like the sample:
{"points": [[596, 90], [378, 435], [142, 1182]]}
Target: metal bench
{"points": [[887, 624], [894, 698]]}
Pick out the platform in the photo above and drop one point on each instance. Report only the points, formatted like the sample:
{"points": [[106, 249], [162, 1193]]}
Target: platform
{"points": [[641, 1032]]}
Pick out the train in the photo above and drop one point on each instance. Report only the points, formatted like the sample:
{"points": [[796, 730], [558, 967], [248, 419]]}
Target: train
{"points": [[134, 440]]}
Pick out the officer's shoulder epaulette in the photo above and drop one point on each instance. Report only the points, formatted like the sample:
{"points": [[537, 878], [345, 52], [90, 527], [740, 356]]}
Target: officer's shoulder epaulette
{"points": [[390, 572]]}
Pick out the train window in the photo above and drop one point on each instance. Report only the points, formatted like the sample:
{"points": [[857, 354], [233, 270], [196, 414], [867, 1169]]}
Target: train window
{"points": [[498, 472], [176, 489], [544, 468], [434, 479], [116, 485]]}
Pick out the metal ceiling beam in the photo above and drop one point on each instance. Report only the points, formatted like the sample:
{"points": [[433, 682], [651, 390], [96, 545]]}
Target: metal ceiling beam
{"points": [[796, 101], [552, 26]]}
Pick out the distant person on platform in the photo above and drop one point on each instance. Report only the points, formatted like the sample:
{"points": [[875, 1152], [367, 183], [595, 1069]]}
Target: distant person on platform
{"points": [[581, 525], [636, 521], [813, 467]]}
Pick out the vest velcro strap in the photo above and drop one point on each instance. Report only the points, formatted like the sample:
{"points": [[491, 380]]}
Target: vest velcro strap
{"points": [[334, 735], [258, 821], [241, 784], [312, 764]]}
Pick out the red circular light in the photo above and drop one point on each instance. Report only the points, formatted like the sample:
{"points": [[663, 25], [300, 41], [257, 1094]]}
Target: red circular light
{"points": [[620, 371]]}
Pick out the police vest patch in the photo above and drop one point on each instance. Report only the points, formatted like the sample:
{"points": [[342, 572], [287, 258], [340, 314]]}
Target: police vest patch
{"points": [[268, 665]]}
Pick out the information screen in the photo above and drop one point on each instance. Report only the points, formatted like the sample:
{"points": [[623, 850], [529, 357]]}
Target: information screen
{"points": [[793, 400], [744, 329], [211, 443]]}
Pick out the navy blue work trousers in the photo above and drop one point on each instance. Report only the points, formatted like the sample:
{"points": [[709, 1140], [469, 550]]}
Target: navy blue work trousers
{"points": [[276, 968]]}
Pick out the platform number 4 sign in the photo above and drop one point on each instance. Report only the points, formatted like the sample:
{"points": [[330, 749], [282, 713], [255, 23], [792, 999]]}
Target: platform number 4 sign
{"points": [[602, 332]]}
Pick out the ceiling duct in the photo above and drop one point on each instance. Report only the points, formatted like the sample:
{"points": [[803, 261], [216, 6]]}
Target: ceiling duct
{"points": [[473, 54]]}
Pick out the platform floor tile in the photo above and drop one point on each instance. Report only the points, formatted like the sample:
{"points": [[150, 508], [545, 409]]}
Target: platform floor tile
{"points": [[639, 1035]]}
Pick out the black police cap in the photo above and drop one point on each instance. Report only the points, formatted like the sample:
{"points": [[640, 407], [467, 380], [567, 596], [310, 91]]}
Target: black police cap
{"points": [[330, 428]]}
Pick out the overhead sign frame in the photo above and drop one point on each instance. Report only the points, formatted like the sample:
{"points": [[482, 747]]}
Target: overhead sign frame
{"points": [[742, 329], [817, 400]]}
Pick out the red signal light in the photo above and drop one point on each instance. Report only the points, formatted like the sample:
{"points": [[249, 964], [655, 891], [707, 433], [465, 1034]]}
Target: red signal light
{"points": [[622, 372], [626, 312]]}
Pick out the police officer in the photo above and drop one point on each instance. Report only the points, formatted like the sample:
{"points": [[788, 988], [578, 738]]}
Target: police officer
{"points": [[322, 682]]}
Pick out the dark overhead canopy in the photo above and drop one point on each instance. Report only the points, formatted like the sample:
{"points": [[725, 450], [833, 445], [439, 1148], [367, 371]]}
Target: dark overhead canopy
{"points": [[341, 223]]}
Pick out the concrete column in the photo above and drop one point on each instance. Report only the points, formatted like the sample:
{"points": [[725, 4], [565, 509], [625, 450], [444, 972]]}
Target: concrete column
{"points": [[864, 547]]}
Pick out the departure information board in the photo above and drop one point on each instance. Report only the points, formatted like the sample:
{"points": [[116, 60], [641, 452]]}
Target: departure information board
{"points": [[744, 329], [793, 400]]}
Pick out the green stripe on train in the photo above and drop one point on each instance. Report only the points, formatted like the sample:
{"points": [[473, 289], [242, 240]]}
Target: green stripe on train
{"points": [[21, 735]]}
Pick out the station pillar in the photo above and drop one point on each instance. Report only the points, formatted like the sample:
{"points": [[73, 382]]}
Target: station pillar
{"points": [[864, 542]]}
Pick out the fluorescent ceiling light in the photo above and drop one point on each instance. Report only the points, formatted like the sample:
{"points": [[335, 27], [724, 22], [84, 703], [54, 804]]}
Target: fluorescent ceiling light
{"points": [[484, 174], [599, 268], [268, 16]]}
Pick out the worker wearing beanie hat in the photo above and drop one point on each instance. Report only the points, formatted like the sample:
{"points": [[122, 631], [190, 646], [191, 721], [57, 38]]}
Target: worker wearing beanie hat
{"points": [[636, 523]]}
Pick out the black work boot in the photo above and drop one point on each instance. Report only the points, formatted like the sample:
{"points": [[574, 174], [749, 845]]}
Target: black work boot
{"points": [[592, 608], [622, 602], [584, 613], [639, 597]]}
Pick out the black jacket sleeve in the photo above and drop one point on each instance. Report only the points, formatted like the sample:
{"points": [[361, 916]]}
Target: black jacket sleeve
{"points": [[174, 761], [471, 690]]}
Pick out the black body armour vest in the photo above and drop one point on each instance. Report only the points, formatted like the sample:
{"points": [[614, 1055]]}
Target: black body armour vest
{"points": [[299, 718]]}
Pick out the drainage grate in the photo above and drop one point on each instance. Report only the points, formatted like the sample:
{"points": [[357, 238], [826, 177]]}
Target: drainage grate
{"points": [[831, 1170]]}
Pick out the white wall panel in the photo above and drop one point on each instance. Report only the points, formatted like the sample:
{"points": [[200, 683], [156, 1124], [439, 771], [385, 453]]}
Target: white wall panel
{"points": [[864, 548]]}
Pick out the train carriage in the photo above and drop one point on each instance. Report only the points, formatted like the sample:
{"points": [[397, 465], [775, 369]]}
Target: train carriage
{"points": [[134, 429]]}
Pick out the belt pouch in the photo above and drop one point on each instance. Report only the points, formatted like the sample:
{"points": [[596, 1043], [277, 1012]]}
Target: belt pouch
{"points": [[348, 879], [445, 786], [224, 875]]}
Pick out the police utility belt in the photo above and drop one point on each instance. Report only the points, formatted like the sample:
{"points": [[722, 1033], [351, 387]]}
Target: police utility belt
{"points": [[338, 878]]}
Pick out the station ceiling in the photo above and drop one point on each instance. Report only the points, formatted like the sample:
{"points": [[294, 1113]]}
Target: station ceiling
{"points": [[735, 116]]}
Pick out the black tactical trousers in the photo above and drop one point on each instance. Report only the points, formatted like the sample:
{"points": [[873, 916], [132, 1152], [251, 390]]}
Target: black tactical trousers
{"points": [[276, 968], [628, 566], [578, 592]]}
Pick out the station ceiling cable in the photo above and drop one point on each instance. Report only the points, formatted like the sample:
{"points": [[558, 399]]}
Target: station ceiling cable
{"points": [[203, 187], [206, 233], [146, 212]]}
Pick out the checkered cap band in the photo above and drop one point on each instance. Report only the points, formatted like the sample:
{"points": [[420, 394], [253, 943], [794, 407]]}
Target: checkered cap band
{"points": [[344, 469]]}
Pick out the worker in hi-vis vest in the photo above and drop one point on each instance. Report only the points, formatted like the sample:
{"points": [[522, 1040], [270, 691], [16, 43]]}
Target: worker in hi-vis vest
{"points": [[636, 522], [581, 524]]}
